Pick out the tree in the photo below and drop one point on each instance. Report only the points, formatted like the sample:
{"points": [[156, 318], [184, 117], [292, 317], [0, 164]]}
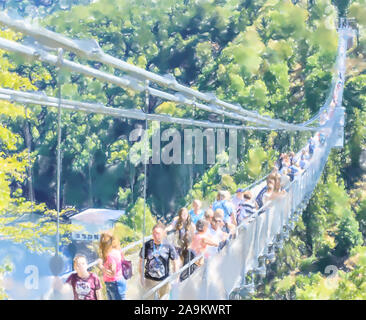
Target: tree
{"points": [[13, 174]]}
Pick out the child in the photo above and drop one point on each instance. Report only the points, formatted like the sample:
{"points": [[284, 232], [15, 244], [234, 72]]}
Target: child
{"points": [[110, 264], [85, 285]]}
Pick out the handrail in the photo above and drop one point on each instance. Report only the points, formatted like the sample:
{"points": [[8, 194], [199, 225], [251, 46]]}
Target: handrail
{"points": [[325, 107], [242, 224], [288, 187], [168, 279]]}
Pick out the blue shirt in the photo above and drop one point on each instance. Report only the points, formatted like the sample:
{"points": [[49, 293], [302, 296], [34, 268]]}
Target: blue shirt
{"points": [[226, 206], [196, 217], [294, 169]]}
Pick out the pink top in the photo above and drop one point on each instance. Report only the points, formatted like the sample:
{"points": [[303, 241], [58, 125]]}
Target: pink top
{"points": [[114, 257]]}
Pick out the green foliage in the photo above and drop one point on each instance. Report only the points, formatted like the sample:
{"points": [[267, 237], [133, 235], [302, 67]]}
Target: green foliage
{"points": [[348, 235], [169, 108], [342, 6], [14, 164], [131, 226], [357, 10], [118, 151], [211, 181], [5, 267], [272, 56], [256, 159], [335, 217], [358, 202]]}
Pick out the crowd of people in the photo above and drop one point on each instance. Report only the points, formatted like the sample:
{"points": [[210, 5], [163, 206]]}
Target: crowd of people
{"points": [[191, 234]]}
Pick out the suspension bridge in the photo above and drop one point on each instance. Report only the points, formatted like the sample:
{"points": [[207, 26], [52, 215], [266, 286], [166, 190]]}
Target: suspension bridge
{"points": [[225, 275]]}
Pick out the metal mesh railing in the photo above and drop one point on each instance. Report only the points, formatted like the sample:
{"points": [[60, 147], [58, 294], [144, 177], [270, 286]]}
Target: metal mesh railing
{"points": [[270, 225]]}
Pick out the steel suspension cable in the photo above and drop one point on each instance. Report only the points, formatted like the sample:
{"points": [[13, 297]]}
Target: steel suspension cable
{"points": [[35, 98], [95, 53], [28, 144], [60, 61], [145, 159], [130, 83]]}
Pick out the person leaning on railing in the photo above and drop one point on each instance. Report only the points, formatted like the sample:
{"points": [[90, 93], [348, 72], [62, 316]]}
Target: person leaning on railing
{"points": [[245, 208]]}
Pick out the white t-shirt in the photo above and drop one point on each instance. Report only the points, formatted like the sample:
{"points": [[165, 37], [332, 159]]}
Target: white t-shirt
{"points": [[216, 235]]}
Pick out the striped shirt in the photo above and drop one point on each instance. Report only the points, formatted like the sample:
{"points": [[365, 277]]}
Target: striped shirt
{"points": [[245, 209]]}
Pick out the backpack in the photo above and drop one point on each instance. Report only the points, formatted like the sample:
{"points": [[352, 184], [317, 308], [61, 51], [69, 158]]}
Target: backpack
{"points": [[190, 255], [126, 269]]}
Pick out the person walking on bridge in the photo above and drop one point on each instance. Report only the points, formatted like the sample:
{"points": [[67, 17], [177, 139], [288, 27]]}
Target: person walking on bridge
{"points": [[246, 208], [111, 266], [85, 284], [196, 213], [181, 225], [216, 233], [201, 240], [157, 254], [223, 201]]}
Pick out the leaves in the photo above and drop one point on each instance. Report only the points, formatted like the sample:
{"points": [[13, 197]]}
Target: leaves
{"points": [[256, 159], [272, 56]]}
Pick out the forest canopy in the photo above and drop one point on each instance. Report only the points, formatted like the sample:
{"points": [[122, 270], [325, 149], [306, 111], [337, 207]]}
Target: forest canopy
{"points": [[272, 56]]}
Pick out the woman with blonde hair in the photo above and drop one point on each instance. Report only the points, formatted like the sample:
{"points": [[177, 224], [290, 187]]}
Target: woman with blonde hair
{"points": [[110, 264]]}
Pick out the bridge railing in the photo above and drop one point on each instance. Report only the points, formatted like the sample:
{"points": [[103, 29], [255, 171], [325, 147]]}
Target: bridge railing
{"points": [[269, 226], [256, 237]]}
